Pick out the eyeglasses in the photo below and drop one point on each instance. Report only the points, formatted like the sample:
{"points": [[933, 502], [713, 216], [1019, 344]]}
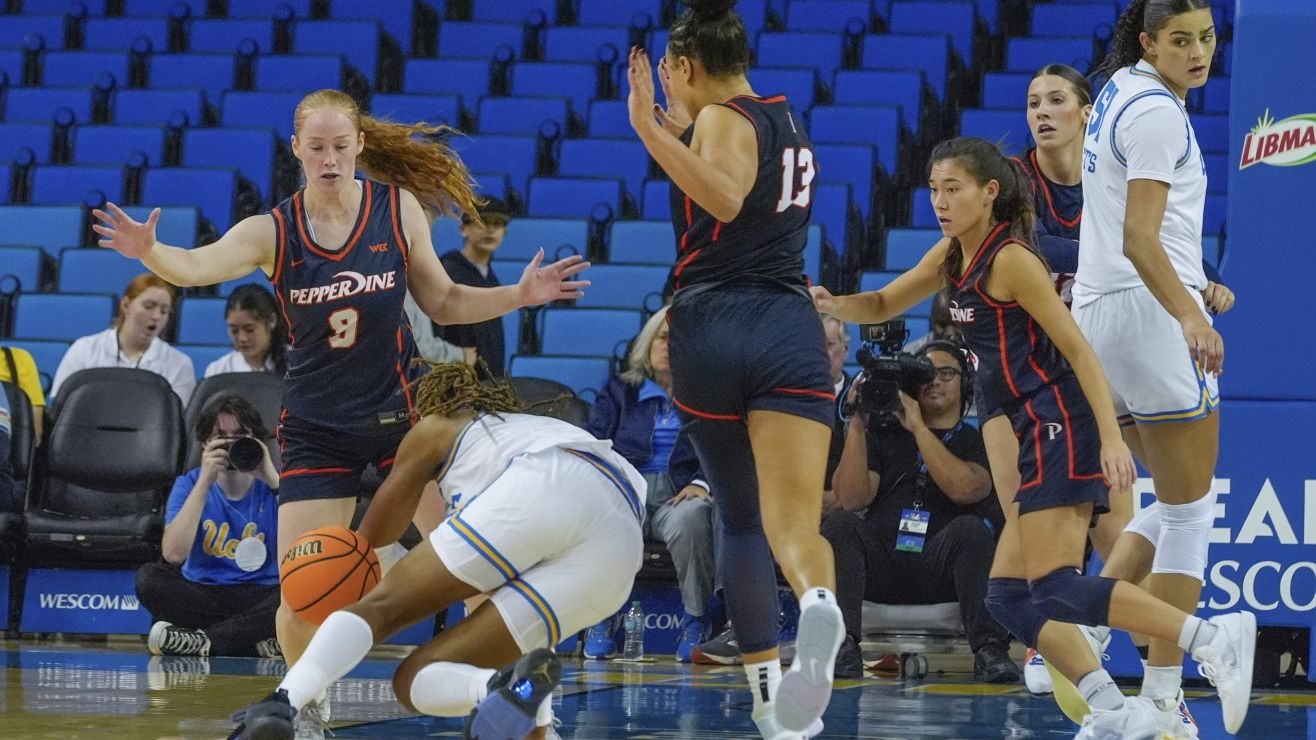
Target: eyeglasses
{"points": [[947, 374]]}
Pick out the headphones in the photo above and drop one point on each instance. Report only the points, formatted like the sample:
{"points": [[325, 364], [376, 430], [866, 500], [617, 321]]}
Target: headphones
{"points": [[966, 370]]}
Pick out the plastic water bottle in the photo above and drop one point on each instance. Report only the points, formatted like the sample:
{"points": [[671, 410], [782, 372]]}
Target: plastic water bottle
{"points": [[633, 625]]}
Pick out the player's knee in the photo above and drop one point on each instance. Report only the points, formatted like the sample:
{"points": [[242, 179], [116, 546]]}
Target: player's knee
{"points": [[1147, 523], [1066, 595], [403, 678], [1010, 604], [1185, 531]]}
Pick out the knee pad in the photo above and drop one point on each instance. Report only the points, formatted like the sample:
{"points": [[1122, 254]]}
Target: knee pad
{"points": [[1147, 523], [1066, 595], [1185, 537], [1010, 604]]}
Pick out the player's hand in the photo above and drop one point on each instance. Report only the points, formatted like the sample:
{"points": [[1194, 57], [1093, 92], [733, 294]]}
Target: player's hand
{"points": [[1205, 345], [1117, 464], [640, 102], [214, 457], [1217, 298], [124, 235], [676, 119], [690, 491], [539, 285], [823, 300]]}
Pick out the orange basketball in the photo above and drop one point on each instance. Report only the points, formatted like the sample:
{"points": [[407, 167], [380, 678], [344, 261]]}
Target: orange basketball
{"points": [[325, 570]]}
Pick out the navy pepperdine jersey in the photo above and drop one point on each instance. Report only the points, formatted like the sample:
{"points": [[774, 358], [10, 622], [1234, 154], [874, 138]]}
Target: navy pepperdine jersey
{"points": [[1012, 356], [352, 348], [765, 241], [1059, 211]]}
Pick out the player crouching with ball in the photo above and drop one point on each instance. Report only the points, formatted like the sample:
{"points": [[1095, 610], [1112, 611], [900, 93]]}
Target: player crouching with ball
{"points": [[544, 518]]}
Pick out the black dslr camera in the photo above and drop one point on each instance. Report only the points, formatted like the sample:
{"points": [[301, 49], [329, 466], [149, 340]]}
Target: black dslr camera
{"points": [[245, 454], [888, 372]]}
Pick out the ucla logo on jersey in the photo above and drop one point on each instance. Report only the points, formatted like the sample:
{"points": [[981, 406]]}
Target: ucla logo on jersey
{"points": [[346, 284], [961, 315]]}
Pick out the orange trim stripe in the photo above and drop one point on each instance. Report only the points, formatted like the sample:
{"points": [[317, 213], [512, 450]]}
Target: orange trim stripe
{"points": [[806, 392], [280, 247], [312, 471], [703, 415], [362, 218], [1037, 445], [1041, 185], [395, 211], [978, 255], [402, 377]]}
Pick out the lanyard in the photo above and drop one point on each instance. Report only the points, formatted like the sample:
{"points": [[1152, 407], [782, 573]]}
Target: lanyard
{"points": [[921, 482]]}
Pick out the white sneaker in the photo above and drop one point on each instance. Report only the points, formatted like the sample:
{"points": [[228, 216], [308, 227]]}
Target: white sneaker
{"points": [[1136, 720], [1098, 639], [771, 729], [312, 722], [1175, 721], [1227, 664], [1036, 677], [806, 688]]}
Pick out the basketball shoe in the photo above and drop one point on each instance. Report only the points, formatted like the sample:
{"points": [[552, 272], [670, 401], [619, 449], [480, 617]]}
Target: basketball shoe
{"points": [[166, 639], [515, 693]]}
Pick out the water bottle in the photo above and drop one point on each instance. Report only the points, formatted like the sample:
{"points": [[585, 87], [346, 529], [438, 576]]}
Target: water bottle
{"points": [[633, 626]]}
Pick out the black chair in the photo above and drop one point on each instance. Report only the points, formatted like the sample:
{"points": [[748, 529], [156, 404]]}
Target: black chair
{"points": [[543, 397], [263, 390], [113, 447], [23, 436]]}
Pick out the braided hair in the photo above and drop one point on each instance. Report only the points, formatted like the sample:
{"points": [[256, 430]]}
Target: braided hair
{"points": [[452, 386]]}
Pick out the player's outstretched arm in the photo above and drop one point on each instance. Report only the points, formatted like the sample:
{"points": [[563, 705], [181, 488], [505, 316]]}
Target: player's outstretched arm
{"points": [[242, 249], [419, 456], [876, 306]]}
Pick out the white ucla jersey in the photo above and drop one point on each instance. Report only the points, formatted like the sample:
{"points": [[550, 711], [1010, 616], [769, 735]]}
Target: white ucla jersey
{"points": [[1138, 130], [486, 445]]}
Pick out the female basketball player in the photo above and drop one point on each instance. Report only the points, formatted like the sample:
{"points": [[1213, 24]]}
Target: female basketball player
{"points": [[749, 360], [546, 519], [338, 254], [1038, 381]]}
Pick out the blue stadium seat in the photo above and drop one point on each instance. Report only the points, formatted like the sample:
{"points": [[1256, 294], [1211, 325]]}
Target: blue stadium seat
{"points": [[251, 151], [522, 115], [301, 72], [876, 280], [657, 45], [878, 126], [853, 164], [924, 216], [211, 189], [203, 354], [1096, 20], [813, 253], [1030, 55], [1006, 89], [41, 103], [526, 235], [58, 184], [905, 247], [22, 264], [214, 73], [495, 184], [1212, 249], [201, 321], [1217, 172], [61, 316], [357, 41], [261, 110], [162, 8], [585, 43], [754, 14], [1009, 127], [115, 144], [622, 286], [395, 18], [11, 64], [927, 53], [468, 78], [177, 227], [587, 331], [50, 227], [617, 12], [511, 333], [513, 11], [72, 68], [61, 7], [446, 233], [266, 9], [18, 27], [798, 85], [94, 270], [957, 19], [579, 82], [827, 15], [226, 288], [1212, 132], [579, 373], [641, 242], [1213, 97], [46, 354], [34, 136], [405, 108], [605, 157], [121, 33], [610, 119], [821, 51], [832, 203], [476, 40], [573, 197], [225, 36], [657, 201], [156, 107], [514, 155], [903, 89]]}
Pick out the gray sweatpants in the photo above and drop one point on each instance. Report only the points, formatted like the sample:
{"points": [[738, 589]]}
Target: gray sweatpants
{"points": [[687, 530]]}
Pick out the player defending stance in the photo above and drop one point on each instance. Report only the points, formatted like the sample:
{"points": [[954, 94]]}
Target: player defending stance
{"points": [[545, 518]]}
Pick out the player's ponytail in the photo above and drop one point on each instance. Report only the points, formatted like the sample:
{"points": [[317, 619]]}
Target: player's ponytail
{"points": [[1148, 16], [712, 32]]}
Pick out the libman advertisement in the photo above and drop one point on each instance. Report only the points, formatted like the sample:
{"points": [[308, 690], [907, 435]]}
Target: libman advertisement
{"points": [[1288, 142]]}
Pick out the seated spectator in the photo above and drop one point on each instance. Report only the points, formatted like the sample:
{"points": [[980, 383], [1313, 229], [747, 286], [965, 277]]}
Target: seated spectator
{"points": [[218, 588], [256, 329], [8, 501], [429, 341], [134, 340], [920, 520], [471, 265], [19, 368], [636, 412]]}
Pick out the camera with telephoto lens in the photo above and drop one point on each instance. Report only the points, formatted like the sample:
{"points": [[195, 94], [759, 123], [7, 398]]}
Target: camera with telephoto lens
{"points": [[888, 372], [245, 454]]}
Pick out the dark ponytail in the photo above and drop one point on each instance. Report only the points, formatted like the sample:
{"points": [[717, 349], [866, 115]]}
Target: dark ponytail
{"points": [[1141, 15], [713, 33], [1014, 201], [259, 302]]}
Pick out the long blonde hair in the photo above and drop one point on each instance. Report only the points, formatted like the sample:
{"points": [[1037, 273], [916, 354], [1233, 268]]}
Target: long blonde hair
{"points": [[638, 366], [394, 154]]}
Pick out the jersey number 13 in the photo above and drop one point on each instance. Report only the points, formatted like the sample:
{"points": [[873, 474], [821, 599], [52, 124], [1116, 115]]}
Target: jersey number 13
{"points": [[797, 173]]}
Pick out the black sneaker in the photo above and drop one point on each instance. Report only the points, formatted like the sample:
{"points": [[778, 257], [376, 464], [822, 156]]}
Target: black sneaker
{"points": [[515, 693], [722, 649], [850, 660], [992, 664], [268, 719]]}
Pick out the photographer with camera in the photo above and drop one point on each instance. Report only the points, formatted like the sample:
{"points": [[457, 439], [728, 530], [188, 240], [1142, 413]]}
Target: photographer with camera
{"points": [[919, 523], [218, 589]]}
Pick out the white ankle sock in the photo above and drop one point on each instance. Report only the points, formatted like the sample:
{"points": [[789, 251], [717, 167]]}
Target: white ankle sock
{"points": [[764, 678], [1197, 633], [544, 716], [814, 595], [1100, 691], [340, 643], [1162, 682], [449, 689]]}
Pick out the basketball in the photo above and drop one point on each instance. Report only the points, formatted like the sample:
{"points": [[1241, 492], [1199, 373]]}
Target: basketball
{"points": [[325, 570]]}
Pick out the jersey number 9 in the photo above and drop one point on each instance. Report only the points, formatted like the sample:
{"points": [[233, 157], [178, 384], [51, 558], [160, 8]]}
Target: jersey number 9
{"points": [[343, 323]]}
